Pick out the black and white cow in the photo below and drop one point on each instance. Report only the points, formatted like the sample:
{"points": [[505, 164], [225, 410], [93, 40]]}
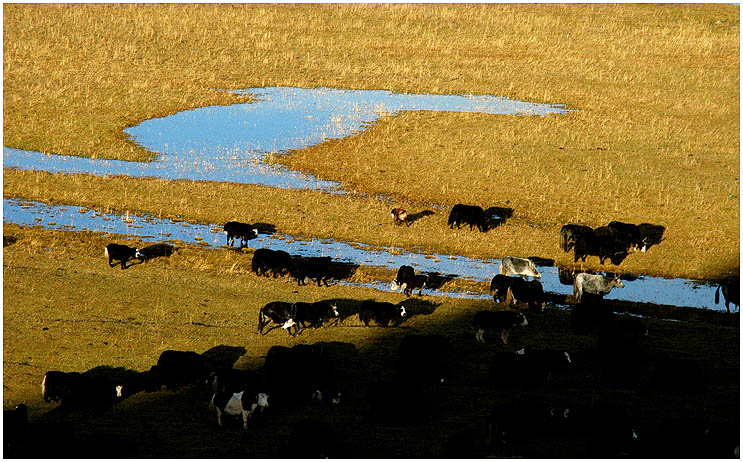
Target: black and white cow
{"points": [[407, 281], [383, 313], [500, 321], [244, 231], [472, 215], [425, 359], [175, 369], [244, 403], [278, 262], [73, 389], [314, 314], [122, 253], [519, 266], [301, 374], [280, 313], [400, 216], [570, 234], [594, 284], [730, 292], [317, 268]]}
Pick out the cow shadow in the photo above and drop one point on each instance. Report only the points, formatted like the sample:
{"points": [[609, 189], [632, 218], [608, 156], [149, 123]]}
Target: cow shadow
{"points": [[539, 261], [9, 240], [157, 250], [413, 217], [223, 356], [497, 216], [265, 228], [436, 280], [417, 307], [341, 270], [651, 234]]}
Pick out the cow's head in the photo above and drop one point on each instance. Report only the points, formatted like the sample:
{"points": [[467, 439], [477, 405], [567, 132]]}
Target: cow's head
{"points": [[119, 391], [138, 254], [402, 311], [289, 324], [618, 282], [523, 322], [395, 285], [334, 308], [262, 400]]}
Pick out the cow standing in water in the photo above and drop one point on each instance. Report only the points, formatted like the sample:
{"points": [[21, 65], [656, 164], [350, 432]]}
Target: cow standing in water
{"points": [[519, 266], [594, 284]]}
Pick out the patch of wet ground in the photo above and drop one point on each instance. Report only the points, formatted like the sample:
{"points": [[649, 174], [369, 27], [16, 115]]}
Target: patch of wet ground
{"points": [[638, 290]]}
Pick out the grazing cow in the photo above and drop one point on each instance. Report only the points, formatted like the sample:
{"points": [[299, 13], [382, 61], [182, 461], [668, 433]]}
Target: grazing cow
{"points": [[570, 234], [501, 321], [302, 374], [424, 359], [73, 389], [178, 368], [516, 425], [527, 367], [628, 235], [407, 281], [651, 234], [468, 214], [280, 313], [317, 268], [548, 361], [381, 312], [623, 351], [730, 292], [244, 231], [594, 284], [530, 292], [314, 314], [404, 273], [123, 253], [602, 242], [400, 216], [276, 261], [244, 404], [499, 286], [520, 266]]}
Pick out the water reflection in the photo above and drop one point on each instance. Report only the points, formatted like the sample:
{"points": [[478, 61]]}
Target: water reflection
{"points": [[678, 292], [230, 143]]}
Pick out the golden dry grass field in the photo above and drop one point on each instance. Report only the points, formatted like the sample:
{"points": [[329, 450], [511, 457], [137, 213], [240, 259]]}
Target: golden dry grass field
{"points": [[654, 137]]}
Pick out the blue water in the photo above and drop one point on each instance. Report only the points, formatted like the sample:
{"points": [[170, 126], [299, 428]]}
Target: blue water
{"points": [[678, 292], [230, 143]]}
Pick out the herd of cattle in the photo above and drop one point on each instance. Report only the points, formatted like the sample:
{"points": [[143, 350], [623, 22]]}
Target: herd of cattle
{"points": [[306, 373]]}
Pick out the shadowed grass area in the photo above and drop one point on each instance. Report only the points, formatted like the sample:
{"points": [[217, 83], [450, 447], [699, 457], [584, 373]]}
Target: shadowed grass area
{"points": [[65, 309]]}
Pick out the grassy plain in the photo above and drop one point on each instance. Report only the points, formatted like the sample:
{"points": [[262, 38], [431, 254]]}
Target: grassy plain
{"points": [[65, 309], [654, 138]]}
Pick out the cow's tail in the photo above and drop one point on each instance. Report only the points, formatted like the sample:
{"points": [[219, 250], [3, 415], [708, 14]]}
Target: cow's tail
{"points": [[575, 289], [105, 251], [717, 295]]}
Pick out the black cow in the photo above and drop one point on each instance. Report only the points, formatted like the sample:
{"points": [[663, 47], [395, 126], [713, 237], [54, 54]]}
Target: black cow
{"points": [[407, 280], [404, 273], [280, 313], [425, 359], [317, 268], [397, 403], [570, 234], [468, 214], [628, 235], [73, 389], [311, 439], [602, 243], [516, 425], [527, 367], [301, 374], [314, 314], [175, 369], [381, 312], [730, 292], [244, 231], [228, 379], [501, 321], [123, 253], [521, 291], [278, 262]]}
